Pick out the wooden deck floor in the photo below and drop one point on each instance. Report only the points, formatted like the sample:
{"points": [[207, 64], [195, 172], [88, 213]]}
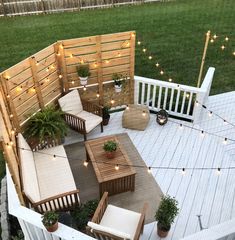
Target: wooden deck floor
{"points": [[199, 192]]}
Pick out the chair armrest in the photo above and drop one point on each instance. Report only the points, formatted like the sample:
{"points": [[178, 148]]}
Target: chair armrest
{"points": [[75, 122], [99, 212], [60, 202], [92, 108], [140, 225]]}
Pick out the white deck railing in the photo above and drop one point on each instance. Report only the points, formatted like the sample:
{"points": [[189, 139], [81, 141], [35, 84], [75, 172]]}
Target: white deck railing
{"points": [[177, 100]]}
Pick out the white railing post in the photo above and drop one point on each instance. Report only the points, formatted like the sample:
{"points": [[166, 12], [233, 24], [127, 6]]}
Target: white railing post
{"points": [[203, 94]]}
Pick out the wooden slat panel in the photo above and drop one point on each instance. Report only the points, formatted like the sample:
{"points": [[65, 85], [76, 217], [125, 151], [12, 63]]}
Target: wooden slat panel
{"points": [[80, 50], [45, 74], [16, 69], [115, 46], [52, 95], [86, 58], [113, 54], [52, 86], [29, 112], [116, 69], [44, 53], [51, 60], [115, 37], [79, 42], [26, 105]]}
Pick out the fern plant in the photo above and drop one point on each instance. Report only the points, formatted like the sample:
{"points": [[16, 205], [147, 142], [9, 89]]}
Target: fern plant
{"points": [[47, 124]]}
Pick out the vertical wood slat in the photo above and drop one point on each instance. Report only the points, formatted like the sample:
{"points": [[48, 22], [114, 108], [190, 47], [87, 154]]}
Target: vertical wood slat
{"points": [[159, 97], [190, 102], [148, 94], [4, 82], [58, 63], [33, 65], [183, 103], [154, 96], [177, 100], [132, 66], [63, 66], [165, 98], [3, 7], [142, 94], [171, 99], [99, 69]]}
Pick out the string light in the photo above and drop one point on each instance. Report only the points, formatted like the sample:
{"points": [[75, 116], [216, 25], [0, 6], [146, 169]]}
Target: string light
{"points": [[61, 46], [149, 170], [181, 126], [98, 95], [11, 115], [11, 143], [58, 54], [37, 63], [210, 113], [85, 163], [119, 54], [183, 171], [47, 79], [187, 95], [170, 79], [139, 42], [144, 113], [112, 101], [73, 82], [12, 132], [19, 89], [225, 122], [8, 145], [8, 96], [95, 65], [144, 50], [150, 57], [202, 133], [47, 70], [222, 47], [60, 76], [225, 141], [54, 157], [127, 107], [117, 167], [157, 64], [226, 39], [234, 53], [84, 88], [107, 61], [71, 56], [161, 72], [218, 171], [212, 40], [215, 36]]}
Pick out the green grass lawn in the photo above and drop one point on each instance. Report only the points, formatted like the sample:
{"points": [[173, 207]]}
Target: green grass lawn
{"points": [[172, 31]]}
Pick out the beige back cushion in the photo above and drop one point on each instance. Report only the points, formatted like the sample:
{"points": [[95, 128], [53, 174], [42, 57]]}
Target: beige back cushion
{"points": [[29, 174], [71, 103]]}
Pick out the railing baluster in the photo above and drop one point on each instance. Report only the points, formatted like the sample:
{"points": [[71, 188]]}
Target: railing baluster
{"points": [[177, 100], [183, 103], [159, 98], [171, 100], [148, 94], [142, 94], [165, 98], [154, 97], [189, 103]]}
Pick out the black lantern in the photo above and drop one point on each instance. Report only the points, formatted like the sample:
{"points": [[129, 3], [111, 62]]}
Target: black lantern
{"points": [[162, 117]]}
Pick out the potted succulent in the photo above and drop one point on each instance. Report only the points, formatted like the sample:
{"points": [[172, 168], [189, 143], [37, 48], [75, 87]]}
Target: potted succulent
{"points": [[46, 128], [83, 71], [117, 82], [50, 221], [165, 215], [110, 148], [106, 115]]}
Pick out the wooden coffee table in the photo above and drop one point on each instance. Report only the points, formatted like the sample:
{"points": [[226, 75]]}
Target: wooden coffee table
{"points": [[111, 180]]}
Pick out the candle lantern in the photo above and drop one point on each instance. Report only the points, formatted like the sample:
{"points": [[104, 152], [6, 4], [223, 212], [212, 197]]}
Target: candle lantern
{"points": [[162, 117]]}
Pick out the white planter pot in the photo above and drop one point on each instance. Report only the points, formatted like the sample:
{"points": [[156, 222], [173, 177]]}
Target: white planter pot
{"points": [[118, 89], [83, 80]]}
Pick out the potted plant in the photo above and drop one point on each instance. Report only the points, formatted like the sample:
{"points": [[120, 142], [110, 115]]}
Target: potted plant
{"points": [[165, 215], [106, 115], [117, 82], [110, 148], [83, 71], [46, 128], [50, 221]]}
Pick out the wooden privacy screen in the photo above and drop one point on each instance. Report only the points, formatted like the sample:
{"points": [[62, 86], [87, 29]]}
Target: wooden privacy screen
{"points": [[42, 78]]}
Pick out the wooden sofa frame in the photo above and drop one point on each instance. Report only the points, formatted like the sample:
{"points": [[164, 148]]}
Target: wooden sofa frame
{"points": [[99, 214], [78, 123], [60, 202]]}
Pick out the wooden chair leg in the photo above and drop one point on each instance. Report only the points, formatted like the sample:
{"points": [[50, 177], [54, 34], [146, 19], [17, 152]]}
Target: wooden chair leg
{"points": [[102, 127]]}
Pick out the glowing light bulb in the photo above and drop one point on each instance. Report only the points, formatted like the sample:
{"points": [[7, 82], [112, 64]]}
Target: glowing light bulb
{"points": [[210, 114], [157, 64], [144, 113], [112, 101], [8, 96], [222, 47], [117, 167], [202, 133], [181, 126], [85, 163], [47, 70], [149, 170], [98, 95], [197, 104], [82, 61], [73, 82], [84, 88], [37, 63], [71, 56], [47, 79], [11, 143], [144, 50], [95, 65], [183, 171], [187, 95], [161, 72], [225, 141], [54, 157], [33, 90], [212, 40], [127, 107], [150, 57], [133, 34], [8, 146], [225, 122], [19, 89], [12, 132], [139, 42], [234, 53], [60, 76], [61, 46], [11, 115], [215, 36], [170, 80], [119, 54], [107, 61], [226, 39], [58, 54]]}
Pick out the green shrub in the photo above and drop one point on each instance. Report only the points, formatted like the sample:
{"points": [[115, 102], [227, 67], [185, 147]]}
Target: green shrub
{"points": [[50, 218], [110, 146], [167, 211], [83, 214], [83, 70]]}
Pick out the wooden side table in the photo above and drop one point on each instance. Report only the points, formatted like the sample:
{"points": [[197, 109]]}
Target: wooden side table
{"points": [[111, 180]]}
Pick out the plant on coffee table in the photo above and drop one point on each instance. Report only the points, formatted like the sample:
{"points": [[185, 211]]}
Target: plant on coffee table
{"points": [[110, 148]]}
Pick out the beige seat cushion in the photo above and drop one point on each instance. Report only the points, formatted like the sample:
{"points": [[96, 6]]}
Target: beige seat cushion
{"points": [[133, 117], [92, 120], [71, 103], [29, 174], [104, 229], [121, 219], [54, 175]]}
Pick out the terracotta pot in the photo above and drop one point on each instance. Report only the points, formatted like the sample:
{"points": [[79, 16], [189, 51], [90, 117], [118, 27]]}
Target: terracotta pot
{"points": [[52, 228], [106, 120], [110, 154], [161, 231]]}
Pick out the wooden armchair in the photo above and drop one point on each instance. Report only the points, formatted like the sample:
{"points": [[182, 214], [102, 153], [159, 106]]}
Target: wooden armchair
{"points": [[110, 222], [81, 116]]}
